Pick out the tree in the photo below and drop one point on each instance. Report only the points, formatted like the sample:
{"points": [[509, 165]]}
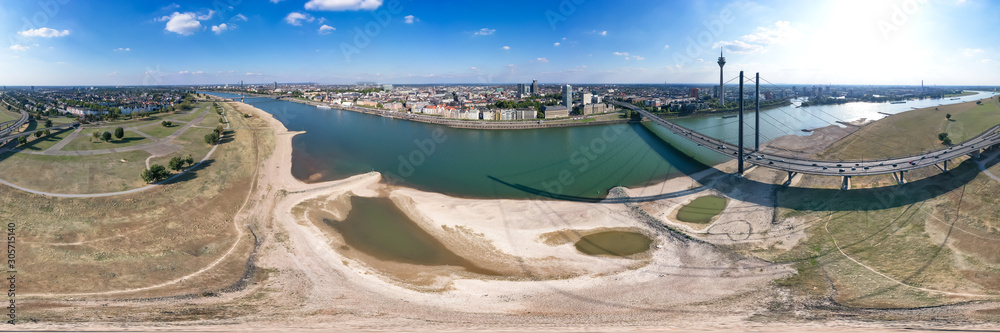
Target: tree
{"points": [[212, 138], [942, 136], [155, 173], [220, 120], [97, 135], [119, 133], [48, 122], [47, 132], [22, 140], [106, 136], [176, 163], [189, 160], [979, 102], [948, 116], [166, 123], [38, 134]]}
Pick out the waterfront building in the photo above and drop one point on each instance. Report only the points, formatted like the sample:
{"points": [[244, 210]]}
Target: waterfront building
{"points": [[567, 96]]}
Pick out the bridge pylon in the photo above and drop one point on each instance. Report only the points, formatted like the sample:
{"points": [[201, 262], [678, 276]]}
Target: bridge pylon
{"points": [[756, 113], [740, 151]]}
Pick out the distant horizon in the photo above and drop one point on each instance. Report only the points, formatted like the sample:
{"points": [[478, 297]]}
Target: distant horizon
{"points": [[491, 84]]}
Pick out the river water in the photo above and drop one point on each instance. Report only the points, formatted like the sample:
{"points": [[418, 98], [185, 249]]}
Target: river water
{"points": [[571, 162]]}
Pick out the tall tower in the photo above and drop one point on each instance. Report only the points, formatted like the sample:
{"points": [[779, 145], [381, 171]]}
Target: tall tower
{"points": [[534, 87], [722, 88], [568, 96]]}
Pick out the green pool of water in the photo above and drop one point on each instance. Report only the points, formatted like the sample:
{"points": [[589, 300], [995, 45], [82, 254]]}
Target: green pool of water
{"points": [[375, 226], [702, 209], [613, 243]]}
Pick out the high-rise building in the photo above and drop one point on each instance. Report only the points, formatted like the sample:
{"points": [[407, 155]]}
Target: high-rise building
{"points": [[586, 98], [694, 92], [534, 87], [520, 89], [275, 85], [567, 96], [722, 87]]}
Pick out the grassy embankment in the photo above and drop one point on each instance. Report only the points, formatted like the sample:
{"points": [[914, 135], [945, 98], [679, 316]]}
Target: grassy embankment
{"points": [[906, 134], [916, 245], [141, 239]]}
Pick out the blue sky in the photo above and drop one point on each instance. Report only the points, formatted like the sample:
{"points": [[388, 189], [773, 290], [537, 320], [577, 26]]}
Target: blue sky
{"points": [[75, 42]]}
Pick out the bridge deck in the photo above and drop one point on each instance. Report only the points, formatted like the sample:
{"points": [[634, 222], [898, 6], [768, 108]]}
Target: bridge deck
{"points": [[830, 168]]}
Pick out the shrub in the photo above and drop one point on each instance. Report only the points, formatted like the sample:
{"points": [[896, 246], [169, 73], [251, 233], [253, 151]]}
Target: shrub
{"points": [[106, 136], [119, 133]]}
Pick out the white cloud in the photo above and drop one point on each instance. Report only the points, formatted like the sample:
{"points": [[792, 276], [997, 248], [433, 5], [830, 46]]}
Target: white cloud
{"points": [[218, 29], [240, 17], [122, 49], [971, 52], [484, 32], [296, 18], [253, 74], [112, 74], [603, 33], [781, 31], [506, 48], [739, 47], [206, 16], [183, 72], [555, 44], [182, 23], [16, 47], [985, 61], [542, 60], [339, 5], [325, 29], [629, 56], [199, 72], [275, 1], [409, 19], [666, 47], [43, 32]]}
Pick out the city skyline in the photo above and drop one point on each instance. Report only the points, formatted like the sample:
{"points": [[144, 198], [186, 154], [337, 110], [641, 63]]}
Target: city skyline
{"points": [[61, 42]]}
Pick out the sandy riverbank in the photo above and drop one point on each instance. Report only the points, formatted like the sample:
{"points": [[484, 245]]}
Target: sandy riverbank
{"points": [[554, 283], [808, 146]]}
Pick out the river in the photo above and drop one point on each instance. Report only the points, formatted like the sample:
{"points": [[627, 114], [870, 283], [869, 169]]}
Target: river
{"points": [[573, 162]]}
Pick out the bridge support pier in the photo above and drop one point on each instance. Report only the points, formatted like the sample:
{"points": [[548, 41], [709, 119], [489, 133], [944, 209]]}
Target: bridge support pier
{"points": [[898, 177], [847, 183], [791, 176]]}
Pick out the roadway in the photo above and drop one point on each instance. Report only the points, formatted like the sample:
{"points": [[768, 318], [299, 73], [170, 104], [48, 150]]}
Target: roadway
{"points": [[10, 126], [972, 147]]}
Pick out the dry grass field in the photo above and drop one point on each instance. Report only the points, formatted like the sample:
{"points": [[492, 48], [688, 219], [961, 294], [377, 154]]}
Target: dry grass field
{"points": [[146, 244]]}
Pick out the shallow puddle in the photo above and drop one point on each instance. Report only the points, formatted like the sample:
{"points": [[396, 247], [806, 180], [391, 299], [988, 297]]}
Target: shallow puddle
{"points": [[614, 243], [376, 227], [702, 209]]}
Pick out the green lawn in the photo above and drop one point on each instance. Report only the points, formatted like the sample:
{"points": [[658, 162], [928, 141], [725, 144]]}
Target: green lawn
{"points": [[75, 174], [46, 142], [86, 141], [158, 131], [6, 116], [211, 120], [193, 114], [56, 121]]}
